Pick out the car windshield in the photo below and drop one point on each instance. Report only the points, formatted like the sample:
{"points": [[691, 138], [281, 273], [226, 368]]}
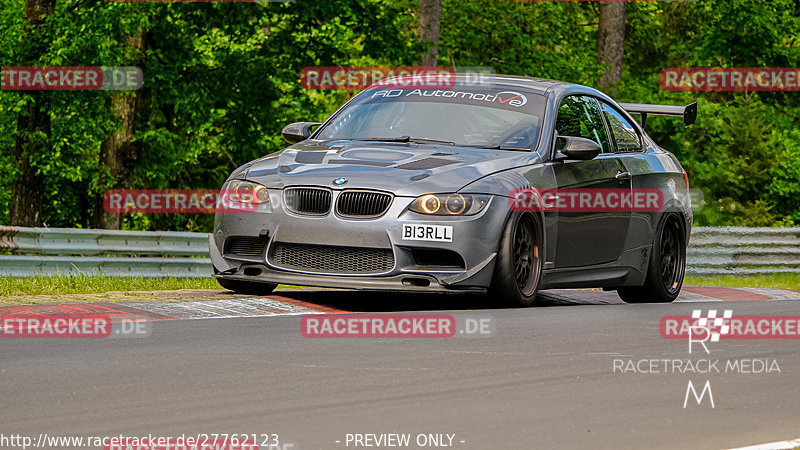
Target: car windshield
{"points": [[491, 118]]}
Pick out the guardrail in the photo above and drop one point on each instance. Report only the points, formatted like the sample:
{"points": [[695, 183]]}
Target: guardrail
{"points": [[745, 251], [62, 251]]}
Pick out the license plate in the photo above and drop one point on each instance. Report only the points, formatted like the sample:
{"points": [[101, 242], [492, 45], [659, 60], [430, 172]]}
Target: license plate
{"points": [[435, 233]]}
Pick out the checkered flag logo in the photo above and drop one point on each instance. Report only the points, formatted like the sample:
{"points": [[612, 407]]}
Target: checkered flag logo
{"points": [[716, 326]]}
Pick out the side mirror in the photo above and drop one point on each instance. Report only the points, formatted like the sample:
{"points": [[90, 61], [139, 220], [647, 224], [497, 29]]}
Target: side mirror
{"points": [[578, 148], [298, 131]]}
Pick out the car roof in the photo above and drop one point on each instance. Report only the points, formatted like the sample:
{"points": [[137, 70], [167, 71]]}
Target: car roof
{"points": [[541, 86]]}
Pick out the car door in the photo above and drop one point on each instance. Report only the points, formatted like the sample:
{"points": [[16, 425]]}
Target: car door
{"points": [[629, 146], [597, 235]]}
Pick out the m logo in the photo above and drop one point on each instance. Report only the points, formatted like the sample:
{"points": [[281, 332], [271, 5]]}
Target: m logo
{"points": [[706, 388]]}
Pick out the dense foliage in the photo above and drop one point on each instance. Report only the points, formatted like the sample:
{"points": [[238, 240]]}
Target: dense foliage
{"points": [[223, 79]]}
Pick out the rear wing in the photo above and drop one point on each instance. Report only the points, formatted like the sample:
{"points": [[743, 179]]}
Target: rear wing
{"points": [[689, 113]]}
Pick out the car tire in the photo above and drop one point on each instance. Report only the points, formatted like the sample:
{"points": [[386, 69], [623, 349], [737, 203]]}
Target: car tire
{"points": [[518, 268], [666, 268], [247, 287]]}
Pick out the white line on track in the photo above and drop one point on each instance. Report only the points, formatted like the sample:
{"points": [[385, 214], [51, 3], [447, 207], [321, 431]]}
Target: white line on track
{"points": [[780, 445]]}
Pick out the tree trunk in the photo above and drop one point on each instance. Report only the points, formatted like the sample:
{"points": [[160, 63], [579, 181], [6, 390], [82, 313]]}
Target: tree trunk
{"points": [[33, 128], [118, 153], [430, 16], [611, 41]]}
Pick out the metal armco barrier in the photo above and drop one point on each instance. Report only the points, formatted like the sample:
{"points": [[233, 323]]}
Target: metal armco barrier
{"points": [[28, 252], [739, 250], [61, 251]]}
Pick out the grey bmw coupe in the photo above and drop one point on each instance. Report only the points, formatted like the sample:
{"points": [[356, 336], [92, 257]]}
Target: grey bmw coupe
{"points": [[504, 186]]}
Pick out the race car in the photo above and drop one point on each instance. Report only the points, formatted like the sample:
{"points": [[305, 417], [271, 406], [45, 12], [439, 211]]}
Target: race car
{"points": [[501, 186]]}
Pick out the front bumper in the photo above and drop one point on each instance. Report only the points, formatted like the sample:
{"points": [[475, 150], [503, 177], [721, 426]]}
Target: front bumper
{"points": [[404, 283], [474, 238]]}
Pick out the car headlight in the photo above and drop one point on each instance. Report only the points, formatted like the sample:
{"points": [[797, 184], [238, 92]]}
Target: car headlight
{"points": [[240, 194], [449, 204]]}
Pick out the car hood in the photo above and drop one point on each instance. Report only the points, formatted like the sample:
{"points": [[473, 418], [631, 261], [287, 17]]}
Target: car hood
{"points": [[405, 169]]}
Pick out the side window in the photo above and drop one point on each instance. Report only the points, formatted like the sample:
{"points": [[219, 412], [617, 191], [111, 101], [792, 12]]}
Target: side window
{"points": [[622, 131], [580, 116]]}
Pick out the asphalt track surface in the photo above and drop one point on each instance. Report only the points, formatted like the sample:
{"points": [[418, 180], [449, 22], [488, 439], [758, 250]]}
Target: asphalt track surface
{"points": [[543, 379]]}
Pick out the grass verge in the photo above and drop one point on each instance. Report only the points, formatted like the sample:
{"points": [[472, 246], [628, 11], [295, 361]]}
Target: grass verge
{"points": [[777, 280], [13, 287]]}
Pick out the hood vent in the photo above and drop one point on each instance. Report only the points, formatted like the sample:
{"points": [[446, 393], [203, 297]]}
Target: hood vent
{"points": [[427, 163], [360, 162], [310, 157]]}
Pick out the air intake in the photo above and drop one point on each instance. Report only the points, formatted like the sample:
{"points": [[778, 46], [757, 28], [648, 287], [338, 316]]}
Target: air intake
{"points": [[311, 201], [328, 259], [362, 204], [246, 246]]}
